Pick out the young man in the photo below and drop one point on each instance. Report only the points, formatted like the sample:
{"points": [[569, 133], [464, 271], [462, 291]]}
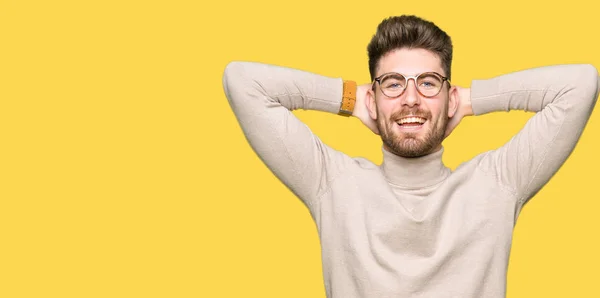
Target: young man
{"points": [[411, 227]]}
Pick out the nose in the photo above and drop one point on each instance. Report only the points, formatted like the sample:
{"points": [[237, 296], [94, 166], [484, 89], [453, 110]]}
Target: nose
{"points": [[411, 95]]}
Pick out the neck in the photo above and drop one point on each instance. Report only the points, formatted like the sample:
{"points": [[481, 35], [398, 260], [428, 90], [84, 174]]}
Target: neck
{"points": [[414, 172]]}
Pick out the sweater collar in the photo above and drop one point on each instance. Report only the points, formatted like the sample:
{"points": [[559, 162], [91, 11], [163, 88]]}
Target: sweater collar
{"points": [[414, 173]]}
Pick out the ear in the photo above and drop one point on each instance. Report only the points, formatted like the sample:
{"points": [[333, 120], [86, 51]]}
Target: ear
{"points": [[453, 101], [371, 104]]}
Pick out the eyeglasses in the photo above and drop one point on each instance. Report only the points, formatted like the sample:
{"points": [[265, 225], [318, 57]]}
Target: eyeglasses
{"points": [[429, 84]]}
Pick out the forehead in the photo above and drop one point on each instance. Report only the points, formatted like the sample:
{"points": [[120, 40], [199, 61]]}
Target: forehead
{"points": [[409, 62]]}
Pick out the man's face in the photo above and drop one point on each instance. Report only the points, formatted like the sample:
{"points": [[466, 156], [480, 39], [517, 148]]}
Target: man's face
{"points": [[411, 125]]}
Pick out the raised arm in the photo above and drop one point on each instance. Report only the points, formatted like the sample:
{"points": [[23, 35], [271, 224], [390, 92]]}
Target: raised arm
{"points": [[262, 97], [563, 97]]}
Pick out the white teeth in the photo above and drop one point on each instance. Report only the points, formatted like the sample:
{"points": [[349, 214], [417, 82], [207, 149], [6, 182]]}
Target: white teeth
{"points": [[411, 120]]}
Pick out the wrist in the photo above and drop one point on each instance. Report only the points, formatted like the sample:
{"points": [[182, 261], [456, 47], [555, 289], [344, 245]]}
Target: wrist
{"points": [[347, 106], [360, 99], [466, 107]]}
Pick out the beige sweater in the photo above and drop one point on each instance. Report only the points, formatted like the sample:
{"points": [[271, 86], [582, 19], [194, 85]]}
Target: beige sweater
{"points": [[413, 227]]}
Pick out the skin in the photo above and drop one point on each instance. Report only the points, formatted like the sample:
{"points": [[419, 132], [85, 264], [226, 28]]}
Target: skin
{"points": [[442, 112]]}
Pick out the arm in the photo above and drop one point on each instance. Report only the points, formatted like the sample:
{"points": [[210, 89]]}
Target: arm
{"points": [[262, 97], [562, 96]]}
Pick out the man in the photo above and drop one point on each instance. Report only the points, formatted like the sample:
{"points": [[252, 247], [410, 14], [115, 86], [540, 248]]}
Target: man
{"points": [[411, 227]]}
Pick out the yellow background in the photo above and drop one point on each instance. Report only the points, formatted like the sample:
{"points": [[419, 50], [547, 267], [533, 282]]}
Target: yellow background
{"points": [[123, 172]]}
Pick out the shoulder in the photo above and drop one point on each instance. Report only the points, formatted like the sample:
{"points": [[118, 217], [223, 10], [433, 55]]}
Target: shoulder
{"points": [[364, 163], [353, 166], [482, 168], [480, 163]]}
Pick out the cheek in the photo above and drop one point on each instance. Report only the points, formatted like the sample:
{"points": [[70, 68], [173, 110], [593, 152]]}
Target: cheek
{"points": [[384, 109], [438, 109]]}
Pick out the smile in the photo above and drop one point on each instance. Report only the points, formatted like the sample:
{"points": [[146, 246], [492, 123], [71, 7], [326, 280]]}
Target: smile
{"points": [[411, 120], [411, 124]]}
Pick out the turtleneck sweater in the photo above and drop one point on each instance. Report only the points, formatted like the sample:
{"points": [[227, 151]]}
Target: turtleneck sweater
{"points": [[412, 227]]}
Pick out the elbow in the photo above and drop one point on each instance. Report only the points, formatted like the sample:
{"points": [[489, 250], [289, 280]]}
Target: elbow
{"points": [[241, 78], [587, 81], [232, 76], [233, 68], [585, 88]]}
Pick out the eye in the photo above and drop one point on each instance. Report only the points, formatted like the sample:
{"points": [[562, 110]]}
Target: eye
{"points": [[393, 82], [429, 82]]}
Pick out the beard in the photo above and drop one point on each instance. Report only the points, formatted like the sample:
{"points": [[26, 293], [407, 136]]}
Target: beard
{"points": [[413, 144]]}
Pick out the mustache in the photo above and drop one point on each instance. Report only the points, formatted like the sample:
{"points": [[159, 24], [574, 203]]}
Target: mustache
{"points": [[410, 113]]}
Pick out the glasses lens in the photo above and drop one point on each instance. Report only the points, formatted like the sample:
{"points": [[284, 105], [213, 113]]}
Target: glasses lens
{"points": [[429, 84], [392, 85]]}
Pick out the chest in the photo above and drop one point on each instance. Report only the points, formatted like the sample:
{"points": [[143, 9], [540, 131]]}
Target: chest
{"points": [[369, 210]]}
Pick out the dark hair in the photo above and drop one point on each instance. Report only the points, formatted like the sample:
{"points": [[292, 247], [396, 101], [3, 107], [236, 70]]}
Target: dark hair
{"points": [[408, 31]]}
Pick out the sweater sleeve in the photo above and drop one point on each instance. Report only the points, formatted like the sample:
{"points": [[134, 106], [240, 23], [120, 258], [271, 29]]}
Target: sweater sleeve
{"points": [[562, 97], [262, 97]]}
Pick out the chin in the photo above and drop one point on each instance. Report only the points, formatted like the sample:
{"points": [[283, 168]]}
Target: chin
{"points": [[408, 147], [410, 142]]}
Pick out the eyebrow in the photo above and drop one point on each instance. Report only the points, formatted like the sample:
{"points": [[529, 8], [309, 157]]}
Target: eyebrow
{"points": [[414, 74]]}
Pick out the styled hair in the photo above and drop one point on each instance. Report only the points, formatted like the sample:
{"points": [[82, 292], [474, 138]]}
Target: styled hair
{"points": [[412, 32]]}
